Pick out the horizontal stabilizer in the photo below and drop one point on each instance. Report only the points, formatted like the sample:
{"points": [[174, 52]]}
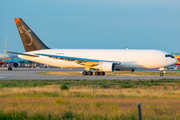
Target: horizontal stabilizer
{"points": [[11, 61], [23, 54]]}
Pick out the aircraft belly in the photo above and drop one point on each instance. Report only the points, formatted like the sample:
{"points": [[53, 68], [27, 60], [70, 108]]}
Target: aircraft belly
{"points": [[140, 64], [129, 65]]}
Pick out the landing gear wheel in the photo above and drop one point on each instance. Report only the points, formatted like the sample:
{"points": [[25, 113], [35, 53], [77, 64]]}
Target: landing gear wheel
{"points": [[84, 73], [96, 73], [90, 73], [99, 73], [102, 73], [10, 68], [161, 74]]}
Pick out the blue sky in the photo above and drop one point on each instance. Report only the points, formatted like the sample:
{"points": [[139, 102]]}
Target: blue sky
{"points": [[97, 24]]}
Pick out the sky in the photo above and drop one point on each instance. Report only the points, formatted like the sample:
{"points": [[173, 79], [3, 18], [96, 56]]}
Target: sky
{"points": [[94, 24]]}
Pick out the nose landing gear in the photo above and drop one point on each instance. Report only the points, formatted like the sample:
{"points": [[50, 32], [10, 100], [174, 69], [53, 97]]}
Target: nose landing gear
{"points": [[162, 70], [161, 74]]}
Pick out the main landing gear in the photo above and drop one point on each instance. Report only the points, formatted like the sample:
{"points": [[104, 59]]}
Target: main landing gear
{"points": [[10, 68], [99, 73], [87, 73], [91, 73]]}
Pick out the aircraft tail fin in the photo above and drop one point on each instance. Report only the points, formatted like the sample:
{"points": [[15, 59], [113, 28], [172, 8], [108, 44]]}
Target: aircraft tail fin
{"points": [[5, 48], [29, 39]]}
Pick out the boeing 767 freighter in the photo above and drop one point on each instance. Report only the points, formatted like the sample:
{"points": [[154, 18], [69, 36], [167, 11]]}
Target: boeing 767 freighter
{"points": [[101, 60]]}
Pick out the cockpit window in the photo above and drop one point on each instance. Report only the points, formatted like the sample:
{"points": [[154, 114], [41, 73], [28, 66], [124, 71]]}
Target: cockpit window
{"points": [[169, 56]]}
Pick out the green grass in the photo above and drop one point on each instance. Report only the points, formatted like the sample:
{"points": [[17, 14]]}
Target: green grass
{"points": [[92, 83], [64, 87], [67, 115], [90, 100]]}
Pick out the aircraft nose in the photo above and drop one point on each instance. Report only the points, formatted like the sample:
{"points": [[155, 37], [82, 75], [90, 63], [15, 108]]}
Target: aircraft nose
{"points": [[174, 61]]}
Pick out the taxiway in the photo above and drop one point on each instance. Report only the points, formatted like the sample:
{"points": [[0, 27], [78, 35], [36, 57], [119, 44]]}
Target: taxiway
{"points": [[31, 74]]}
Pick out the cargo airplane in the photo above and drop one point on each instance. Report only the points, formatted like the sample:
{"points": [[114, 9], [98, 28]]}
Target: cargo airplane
{"points": [[101, 60]]}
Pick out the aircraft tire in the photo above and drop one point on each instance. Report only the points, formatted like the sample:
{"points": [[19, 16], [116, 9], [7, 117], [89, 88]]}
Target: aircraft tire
{"points": [[161, 74], [9, 68], [96, 73], [102, 73], [89, 73], [84, 73]]}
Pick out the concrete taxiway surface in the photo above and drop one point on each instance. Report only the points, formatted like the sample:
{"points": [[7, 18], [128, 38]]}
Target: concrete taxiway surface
{"points": [[31, 74]]}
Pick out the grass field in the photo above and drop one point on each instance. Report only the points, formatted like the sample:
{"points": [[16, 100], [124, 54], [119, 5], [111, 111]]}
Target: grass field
{"points": [[136, 73], [91, 100]]}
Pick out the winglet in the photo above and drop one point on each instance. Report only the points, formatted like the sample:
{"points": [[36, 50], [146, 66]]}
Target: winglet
{"points": [[16, 20]]}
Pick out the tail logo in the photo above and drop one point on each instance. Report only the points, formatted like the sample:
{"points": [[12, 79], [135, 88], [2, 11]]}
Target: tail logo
{"points": [[27, 32]]}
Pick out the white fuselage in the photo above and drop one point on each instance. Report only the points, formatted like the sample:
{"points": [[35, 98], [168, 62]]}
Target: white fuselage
{"points": [[129, 59]]}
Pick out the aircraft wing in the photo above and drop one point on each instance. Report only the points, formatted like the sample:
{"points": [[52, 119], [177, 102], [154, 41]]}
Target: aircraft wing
{"points": [[64, 57], [87, 63], [74, 58]]}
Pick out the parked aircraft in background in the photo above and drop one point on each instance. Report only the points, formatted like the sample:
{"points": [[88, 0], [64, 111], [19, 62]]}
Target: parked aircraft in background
{"points": [[178, 58], [4, 56], [101, 60], [7, 58]]}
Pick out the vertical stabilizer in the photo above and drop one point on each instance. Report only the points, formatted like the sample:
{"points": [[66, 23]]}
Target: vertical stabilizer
{"points": [[30, 40], [5, 48]]}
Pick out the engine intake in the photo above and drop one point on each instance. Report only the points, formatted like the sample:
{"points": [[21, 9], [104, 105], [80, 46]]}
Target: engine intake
{"points": [[106, 66], [16, 64]]}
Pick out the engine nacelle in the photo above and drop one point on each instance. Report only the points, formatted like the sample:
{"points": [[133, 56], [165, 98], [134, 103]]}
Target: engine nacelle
{"points": [[106, 66], [16, 64]]}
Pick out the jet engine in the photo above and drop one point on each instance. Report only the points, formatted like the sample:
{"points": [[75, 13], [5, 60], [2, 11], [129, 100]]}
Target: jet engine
{"points": [[106, 66], [16, 64]]}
